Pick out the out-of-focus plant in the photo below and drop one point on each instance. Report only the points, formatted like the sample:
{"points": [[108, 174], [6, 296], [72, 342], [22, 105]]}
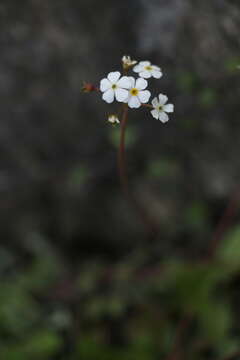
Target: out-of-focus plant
{"points": [[122, 310]]}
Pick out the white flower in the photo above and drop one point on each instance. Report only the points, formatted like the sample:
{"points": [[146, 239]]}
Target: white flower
{"points": [[161, 108], [114, 86], [113, 119], [137, 94], [128, 62], [146, 70]]}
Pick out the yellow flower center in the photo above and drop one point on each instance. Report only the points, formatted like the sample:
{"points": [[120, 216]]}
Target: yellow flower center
{"points": [[148, 67], [134, 91], [159, 107], [114, 86]]}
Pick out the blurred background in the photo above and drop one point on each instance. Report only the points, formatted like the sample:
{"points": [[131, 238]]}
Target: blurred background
{"points": [[79, 278]]}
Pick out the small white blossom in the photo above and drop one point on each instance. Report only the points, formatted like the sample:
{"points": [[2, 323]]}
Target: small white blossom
{"points": [[146, 70], [113, 119], [137, 94], [115, 86], [128, 62], [161, 108]]}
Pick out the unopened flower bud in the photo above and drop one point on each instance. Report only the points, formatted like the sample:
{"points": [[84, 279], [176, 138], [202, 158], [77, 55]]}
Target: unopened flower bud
{"points": [[127, 62], [88, 87], [113, 119]]}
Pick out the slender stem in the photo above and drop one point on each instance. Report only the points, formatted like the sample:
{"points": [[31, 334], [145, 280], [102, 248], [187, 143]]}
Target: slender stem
{"points": [[146, 219], [148, 106], [121, 152]]}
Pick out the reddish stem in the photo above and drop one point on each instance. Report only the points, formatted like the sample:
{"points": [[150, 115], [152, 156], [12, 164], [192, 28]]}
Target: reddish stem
{"points": [[147, 220], [121, 152], [148, 106]]}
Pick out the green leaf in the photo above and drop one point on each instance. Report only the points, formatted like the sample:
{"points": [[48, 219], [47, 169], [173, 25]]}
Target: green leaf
{"points": [[42, 344], [89, 349], [215, 320], [232, 64], [229, 250], [18, 311], [39, 346]]}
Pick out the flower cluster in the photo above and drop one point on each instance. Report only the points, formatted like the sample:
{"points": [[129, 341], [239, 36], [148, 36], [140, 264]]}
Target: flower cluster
{"points": [[133, 91]]}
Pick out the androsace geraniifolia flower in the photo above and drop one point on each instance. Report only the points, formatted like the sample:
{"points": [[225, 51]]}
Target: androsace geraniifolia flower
{"points": [[146, 70], [161, 108], [137, 95], [115, 86], [132, 90]]}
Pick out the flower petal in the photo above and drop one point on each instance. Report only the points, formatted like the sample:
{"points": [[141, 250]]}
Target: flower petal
{"points": [[145, 63], [144, 96], [145, 74], [134, 102], [121, 94], [105, 85], [162, 99], [155, 67], [108, 96], [168, 108], [156, 74], [163, 117], [127, 99], [155, 102], [138, 68], [124, 82], [141, 84], [132, 81], [114, 76], [155, 114]]}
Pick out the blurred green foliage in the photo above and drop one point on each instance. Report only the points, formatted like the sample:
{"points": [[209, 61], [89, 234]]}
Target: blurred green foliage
{"points": [[163, 167], [208, 97], [131, 135], [187, 81], [77, 177], [125, 310], [232, 64]]}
